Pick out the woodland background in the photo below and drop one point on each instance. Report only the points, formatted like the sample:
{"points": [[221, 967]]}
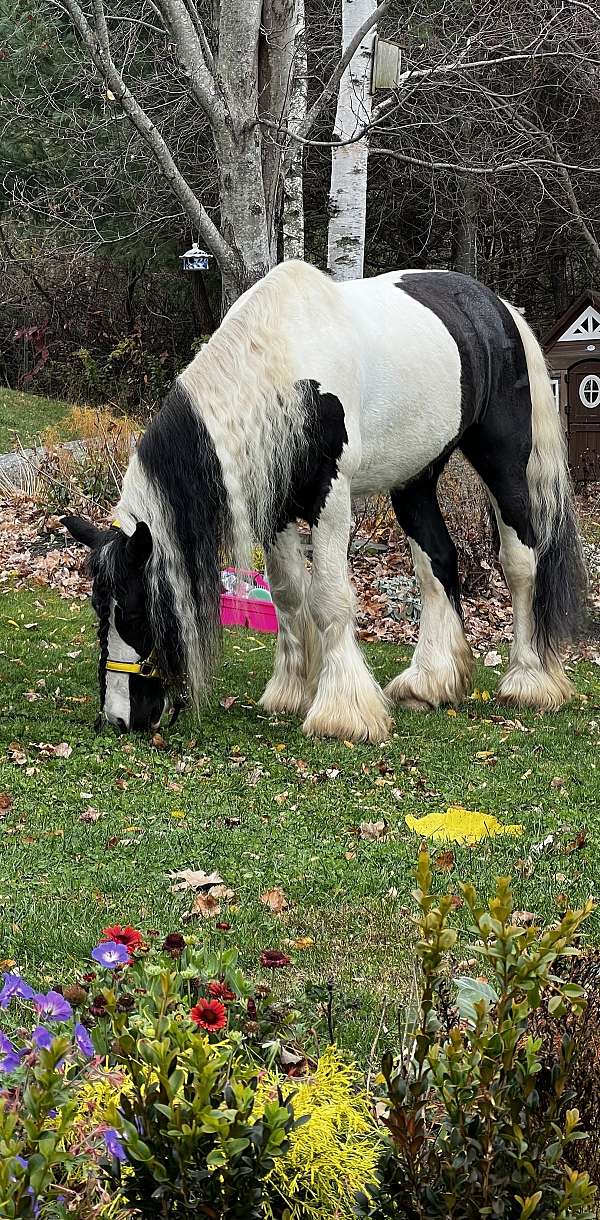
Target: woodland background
{"points": [[128, 131]]}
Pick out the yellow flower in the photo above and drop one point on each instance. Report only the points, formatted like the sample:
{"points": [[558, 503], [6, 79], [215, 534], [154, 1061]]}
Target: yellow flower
{"points": [[458, 825]]}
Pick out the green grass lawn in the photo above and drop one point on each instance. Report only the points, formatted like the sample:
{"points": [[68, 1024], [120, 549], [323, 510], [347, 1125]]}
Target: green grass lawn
{"points": [[251, 797], [27, 415]]}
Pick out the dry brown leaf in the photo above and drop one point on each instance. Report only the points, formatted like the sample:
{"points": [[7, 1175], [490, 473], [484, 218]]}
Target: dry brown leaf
{"points": [[275, 900], [557, 782], [194, 879], [62, 750], [525, 918], [492, 658], [5, 801], [373, 831], [445, 861], [228, 701], [576, 844], [562, 902], [205, 906], [158, 742]]}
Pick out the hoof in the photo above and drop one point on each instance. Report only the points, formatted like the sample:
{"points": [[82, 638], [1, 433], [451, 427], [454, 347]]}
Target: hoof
{"points": [[285, 698]]}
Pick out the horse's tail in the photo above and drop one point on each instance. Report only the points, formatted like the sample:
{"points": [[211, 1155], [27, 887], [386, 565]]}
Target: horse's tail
{"points": [[560, 586]]}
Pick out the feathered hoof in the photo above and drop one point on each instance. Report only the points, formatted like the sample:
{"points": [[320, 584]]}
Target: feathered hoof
{"points": [[422, 691], [535, 688], [289, 697], [372, 723]]}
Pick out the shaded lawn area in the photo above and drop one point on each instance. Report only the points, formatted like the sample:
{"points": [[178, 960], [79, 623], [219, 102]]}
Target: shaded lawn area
{"points": [[250, 797], [28, 416]]}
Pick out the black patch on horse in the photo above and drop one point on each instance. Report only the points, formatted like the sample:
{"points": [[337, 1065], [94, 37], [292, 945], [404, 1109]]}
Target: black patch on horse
{"points": [[324, 437], [495, 397], [178, 456]]}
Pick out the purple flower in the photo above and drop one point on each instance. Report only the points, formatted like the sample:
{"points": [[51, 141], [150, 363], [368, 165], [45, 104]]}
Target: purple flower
{"points": [[53, 1006], [22, 1162], [42, 1038], [14, 985], [9, 1057], [83, 1041], [114, 1147], [110, 955]]}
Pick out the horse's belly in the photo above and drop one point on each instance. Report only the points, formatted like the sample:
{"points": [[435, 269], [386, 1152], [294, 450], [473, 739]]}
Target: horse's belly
{"points": [[411, 400], [404, 430]]}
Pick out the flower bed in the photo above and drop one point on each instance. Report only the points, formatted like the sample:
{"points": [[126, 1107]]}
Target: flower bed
{"points": [[163, 1082]]}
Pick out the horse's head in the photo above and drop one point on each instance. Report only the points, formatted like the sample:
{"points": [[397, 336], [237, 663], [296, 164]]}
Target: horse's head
{"points": [[133, 695]]}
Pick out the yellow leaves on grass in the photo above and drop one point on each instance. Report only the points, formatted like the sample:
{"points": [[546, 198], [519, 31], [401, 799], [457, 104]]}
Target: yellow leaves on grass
{"points": [[458, 825]]}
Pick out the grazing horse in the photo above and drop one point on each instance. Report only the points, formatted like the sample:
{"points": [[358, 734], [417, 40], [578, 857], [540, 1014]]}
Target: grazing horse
{"points": [[308, 393]]}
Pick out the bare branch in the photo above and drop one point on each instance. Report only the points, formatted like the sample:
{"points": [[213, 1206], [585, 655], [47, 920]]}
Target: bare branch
{"points": [[98, 47], [336, 76]]}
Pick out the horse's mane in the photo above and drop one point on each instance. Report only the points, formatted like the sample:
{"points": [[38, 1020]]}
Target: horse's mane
{"points": [[214, 468]]}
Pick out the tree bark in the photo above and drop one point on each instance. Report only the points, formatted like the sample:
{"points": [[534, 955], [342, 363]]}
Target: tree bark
{"points": [[293, 185], [348, 193]]}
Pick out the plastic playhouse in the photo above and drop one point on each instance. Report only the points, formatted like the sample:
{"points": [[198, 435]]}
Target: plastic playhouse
{"points": [[246, 601]]}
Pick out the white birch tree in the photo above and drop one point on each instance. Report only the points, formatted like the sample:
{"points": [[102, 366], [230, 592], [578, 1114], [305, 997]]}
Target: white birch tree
{"points": [[348, 193]]}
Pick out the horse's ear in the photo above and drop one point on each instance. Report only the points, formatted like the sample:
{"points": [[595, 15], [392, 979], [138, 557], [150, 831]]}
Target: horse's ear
{"points": [[139, 545], [83, 531]]}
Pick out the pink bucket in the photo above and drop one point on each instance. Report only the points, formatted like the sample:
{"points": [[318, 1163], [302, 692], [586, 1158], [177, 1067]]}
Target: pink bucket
{"points": [[243, 611]]}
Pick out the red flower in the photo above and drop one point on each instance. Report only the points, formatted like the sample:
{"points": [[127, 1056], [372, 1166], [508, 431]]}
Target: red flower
{"points": [[220, 991], [210, 1014], [127, 936], [273, 958], [174, 943]]}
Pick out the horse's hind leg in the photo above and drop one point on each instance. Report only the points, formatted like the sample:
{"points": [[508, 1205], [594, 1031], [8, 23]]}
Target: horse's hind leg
{"points": [[442, 664], [295, 673], [534, 678]]}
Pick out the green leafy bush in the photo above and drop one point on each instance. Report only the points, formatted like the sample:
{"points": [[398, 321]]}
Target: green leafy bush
{"points": [[468, 1134]]}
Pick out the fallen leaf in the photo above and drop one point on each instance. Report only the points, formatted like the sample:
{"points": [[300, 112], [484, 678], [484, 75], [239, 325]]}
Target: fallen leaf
{"points": [[557, 782], [90, 815], [349, 745], [576, 844], [373, 831], [349, 855], [445, 861], [303, 942], [562, 902], [178, 813], [456, 902], [205, 906], [228, 701], [5, 801], [492, 658], [275, 900], [158, 742], [62, 750], [194, 879], [525, 918]]}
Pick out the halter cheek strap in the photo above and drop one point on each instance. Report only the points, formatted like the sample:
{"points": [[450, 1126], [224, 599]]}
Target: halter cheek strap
{"points": [[145, 669]]}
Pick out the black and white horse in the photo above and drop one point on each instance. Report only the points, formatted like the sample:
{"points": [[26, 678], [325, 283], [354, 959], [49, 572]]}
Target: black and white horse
{"points": [[308, 393]]}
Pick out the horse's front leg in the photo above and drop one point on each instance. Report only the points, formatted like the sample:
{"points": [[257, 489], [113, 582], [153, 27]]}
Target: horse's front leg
{"points": [[348, 702], [293, 684]]}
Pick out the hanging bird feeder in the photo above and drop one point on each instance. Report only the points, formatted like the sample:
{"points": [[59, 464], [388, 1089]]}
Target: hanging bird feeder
{"points": [[195, 259]]}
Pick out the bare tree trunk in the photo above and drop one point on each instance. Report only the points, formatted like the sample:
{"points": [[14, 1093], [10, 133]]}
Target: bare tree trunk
{"points": [[293, 186], [465, 233], [348, 193]]}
